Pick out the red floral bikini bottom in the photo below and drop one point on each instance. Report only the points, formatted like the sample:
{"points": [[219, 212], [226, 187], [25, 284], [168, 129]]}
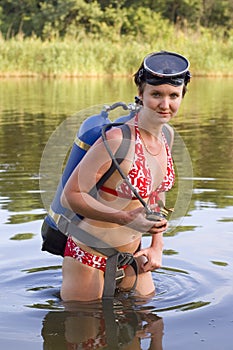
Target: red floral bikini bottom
{"points": [[74, 251]]}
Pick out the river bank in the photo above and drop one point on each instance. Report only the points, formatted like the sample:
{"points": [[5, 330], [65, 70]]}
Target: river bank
{"points": [[88, 57]]}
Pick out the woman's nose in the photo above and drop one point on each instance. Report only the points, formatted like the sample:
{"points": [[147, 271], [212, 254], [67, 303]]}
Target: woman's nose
{"points": [[164, 103]]}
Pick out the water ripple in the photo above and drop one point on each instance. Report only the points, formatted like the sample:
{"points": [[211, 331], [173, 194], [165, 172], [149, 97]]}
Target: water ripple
{"points": [[180, 286], [187, 288]]}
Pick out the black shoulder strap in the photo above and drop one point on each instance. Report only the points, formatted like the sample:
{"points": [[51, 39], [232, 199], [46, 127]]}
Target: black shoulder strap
{"points": [[167, 135], [119, 155]]}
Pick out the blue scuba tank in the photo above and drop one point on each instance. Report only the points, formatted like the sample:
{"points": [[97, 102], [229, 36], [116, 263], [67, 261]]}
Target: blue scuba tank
{"points": [[88, 133]]}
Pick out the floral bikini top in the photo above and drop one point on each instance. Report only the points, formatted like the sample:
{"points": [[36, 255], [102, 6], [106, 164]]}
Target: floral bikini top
{"points": [[140, 174]]}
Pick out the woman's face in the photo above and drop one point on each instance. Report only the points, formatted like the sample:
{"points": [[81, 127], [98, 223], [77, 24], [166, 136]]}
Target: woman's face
{"points": [[163, 100]]}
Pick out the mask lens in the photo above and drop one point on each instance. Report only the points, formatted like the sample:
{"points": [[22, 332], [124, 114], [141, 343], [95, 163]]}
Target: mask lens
{"points": [[166, 64]]}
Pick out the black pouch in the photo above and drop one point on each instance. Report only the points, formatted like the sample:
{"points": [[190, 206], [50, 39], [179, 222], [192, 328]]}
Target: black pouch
{"points": [[54, 241]]}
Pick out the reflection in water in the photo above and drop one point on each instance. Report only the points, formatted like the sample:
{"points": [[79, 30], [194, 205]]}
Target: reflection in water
{"points": [[22, 236], [105, 325]]}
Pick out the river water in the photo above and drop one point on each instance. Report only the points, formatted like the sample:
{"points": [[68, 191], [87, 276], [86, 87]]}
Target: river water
{"points": [[193, 304]]}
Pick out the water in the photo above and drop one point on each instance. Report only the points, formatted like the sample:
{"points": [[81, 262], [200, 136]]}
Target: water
{"points": [[193, 305]]}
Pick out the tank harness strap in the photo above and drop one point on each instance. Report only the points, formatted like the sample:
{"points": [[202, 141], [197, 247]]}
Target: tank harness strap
{"points": [[115, 266], [167, 134]]}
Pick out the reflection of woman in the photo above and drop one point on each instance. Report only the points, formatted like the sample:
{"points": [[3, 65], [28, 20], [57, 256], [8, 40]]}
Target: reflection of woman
{"points": [[117, 216], [83, 328]]}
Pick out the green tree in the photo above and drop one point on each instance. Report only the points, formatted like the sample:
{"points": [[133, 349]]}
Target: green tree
{"points": [[217, 13], [16, 16], [58, 18]]}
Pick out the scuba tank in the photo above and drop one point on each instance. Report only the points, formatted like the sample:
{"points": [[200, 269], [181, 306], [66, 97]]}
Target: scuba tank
{"points": [[89, 131]]}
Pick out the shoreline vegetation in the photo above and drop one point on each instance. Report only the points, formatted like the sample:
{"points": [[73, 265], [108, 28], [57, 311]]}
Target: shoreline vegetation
{"points": [[93, 38], [209, 53]]}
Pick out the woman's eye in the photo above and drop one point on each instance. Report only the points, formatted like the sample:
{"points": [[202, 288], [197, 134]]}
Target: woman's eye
{"points": [[156, 94], [173, 96]]}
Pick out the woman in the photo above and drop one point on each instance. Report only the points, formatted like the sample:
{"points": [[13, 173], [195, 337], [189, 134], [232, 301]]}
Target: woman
{"points": [[116, 216]]}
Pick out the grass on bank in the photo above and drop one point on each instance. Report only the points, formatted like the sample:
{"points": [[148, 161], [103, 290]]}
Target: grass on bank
{"points": [[208, 55]]}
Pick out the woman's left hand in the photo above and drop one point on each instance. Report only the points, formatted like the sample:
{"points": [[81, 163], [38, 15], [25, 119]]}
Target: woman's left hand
{"points": [[149, 259]]}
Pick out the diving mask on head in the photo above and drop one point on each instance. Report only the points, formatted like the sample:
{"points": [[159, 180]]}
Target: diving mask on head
{"points": [[165, 68]]}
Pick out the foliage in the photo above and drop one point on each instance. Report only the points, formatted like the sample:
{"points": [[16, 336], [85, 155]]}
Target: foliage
{"points": [[57, 18], [88, 57]]}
